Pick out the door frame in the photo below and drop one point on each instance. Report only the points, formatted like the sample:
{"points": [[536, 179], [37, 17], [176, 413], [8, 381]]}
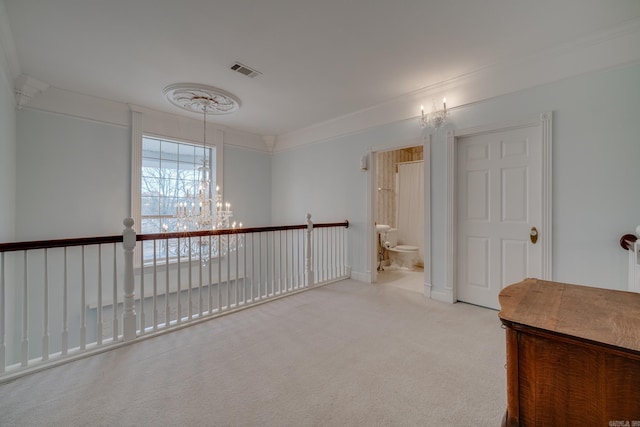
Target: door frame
{"points": [[373, 200], [544, 122]]}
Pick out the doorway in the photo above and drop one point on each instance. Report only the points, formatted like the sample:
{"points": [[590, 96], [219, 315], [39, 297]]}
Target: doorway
{"points": [[503, 208], [398, 200]]}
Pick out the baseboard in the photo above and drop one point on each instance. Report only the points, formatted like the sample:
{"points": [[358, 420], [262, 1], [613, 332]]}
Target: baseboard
{"points": [[444, 295], [361, 277], [427, 290]]}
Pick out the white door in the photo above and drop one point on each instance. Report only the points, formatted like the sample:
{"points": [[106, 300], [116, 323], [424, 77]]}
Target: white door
{"points": [[499, 203]]}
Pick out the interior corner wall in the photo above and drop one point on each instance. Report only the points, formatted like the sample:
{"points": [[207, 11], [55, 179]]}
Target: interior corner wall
{"points": [[7, 162], [8, 143], [73, 176], [247, 182], [596, 151], [325, 180]]}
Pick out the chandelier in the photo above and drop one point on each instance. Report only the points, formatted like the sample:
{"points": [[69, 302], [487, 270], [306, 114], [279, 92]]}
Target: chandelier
{"points": [[436, 118], [195, 211]]}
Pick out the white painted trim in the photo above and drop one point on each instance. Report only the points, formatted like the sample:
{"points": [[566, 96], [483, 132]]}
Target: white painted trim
{"points": [[427, 289], [611, 48], [26, 87], [426, 155], [135, 208], [85, 119], [168, 125], [450, 245], [361, 276], [544, 122], [136, 166], [372, 200], [443, 295], [546, 238]]}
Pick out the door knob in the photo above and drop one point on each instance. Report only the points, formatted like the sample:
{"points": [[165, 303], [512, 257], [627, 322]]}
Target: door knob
{"points": [[533, 235]]}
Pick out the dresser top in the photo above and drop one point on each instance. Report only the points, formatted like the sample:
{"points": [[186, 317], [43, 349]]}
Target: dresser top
{"points": [[594, 314]]}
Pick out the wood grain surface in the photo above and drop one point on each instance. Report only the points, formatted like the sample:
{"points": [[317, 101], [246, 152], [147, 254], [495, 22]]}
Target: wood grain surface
{"points": [[573, 355]]}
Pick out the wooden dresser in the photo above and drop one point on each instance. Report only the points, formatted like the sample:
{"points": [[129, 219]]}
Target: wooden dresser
{"points": [[573, 355]]}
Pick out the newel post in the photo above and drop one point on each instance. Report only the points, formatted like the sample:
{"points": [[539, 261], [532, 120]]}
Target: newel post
{"points": [[129, 244], [308, 264]]}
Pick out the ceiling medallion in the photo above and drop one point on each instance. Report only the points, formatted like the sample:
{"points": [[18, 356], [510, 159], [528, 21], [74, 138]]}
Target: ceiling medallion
{"points": [[200, 99]]}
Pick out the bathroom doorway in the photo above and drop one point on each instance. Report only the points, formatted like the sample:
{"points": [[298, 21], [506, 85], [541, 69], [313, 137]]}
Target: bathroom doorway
{"points": [[398, 207]]}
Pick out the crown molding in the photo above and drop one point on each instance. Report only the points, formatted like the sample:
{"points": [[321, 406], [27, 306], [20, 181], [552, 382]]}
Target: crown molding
{"points": [[26, 87], [607, 49], [160, 123], [269, 141]]}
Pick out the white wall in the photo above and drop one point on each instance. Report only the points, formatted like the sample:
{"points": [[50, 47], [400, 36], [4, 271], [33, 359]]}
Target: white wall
{"points": [[595, 167], [596, 174], [8, 142], [72, 176], [325, 180], [247, 181], [7, 160]]}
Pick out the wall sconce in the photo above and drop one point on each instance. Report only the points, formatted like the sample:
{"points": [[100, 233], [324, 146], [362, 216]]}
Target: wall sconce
{"points": [[436, 118], [363, 163]]}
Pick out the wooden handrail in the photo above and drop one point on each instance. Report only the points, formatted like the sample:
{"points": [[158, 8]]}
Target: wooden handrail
{"points": [[58, 243], [85, 241]]}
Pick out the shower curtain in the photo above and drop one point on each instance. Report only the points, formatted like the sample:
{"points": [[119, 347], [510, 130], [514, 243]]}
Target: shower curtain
{"points": [[410, 205]]}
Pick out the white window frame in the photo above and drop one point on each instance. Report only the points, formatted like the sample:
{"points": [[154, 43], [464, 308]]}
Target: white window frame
{"points": [[137, 134]]}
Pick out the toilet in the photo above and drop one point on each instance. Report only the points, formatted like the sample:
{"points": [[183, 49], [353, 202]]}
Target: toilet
{"points": [[403, 256]]}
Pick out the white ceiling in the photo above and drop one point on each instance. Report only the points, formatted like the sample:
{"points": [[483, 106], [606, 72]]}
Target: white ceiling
{"points": [[320, 59]]}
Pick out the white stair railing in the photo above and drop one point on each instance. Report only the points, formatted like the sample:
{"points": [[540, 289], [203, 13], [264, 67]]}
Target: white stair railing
{"points": [[60, 299]]}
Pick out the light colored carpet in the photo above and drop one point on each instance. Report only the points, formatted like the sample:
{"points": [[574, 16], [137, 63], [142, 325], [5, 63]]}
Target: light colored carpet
{"points": [[346, 354]]}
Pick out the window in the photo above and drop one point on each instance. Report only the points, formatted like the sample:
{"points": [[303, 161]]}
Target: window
{"points": [[169, 175]]}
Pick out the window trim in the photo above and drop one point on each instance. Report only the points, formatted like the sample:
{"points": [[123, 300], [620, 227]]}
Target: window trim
{"points": [[137, 133]]}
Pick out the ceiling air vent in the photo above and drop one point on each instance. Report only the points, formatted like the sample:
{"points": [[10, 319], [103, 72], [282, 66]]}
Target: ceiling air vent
{"points": [[243, 69]]}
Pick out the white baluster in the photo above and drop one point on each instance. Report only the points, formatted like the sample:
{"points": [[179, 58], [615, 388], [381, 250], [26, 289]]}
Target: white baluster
{"points": [[129, 316], [210, 282], [189, 293], [300, 256], [179, 293], [155, 286], [308, 255], [45, 334], [219, 244], [65, 314], [25, 316], [167, 312], [289, 272], [237, 252], [83, 307], [200, 276], [260, 266], [636, 267], [115, 292], [142, 316], [341, 252], [244, 268], [335, 250], [3, 311], [279, 261], [273, 263], [228, 255], [99, 327]]}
